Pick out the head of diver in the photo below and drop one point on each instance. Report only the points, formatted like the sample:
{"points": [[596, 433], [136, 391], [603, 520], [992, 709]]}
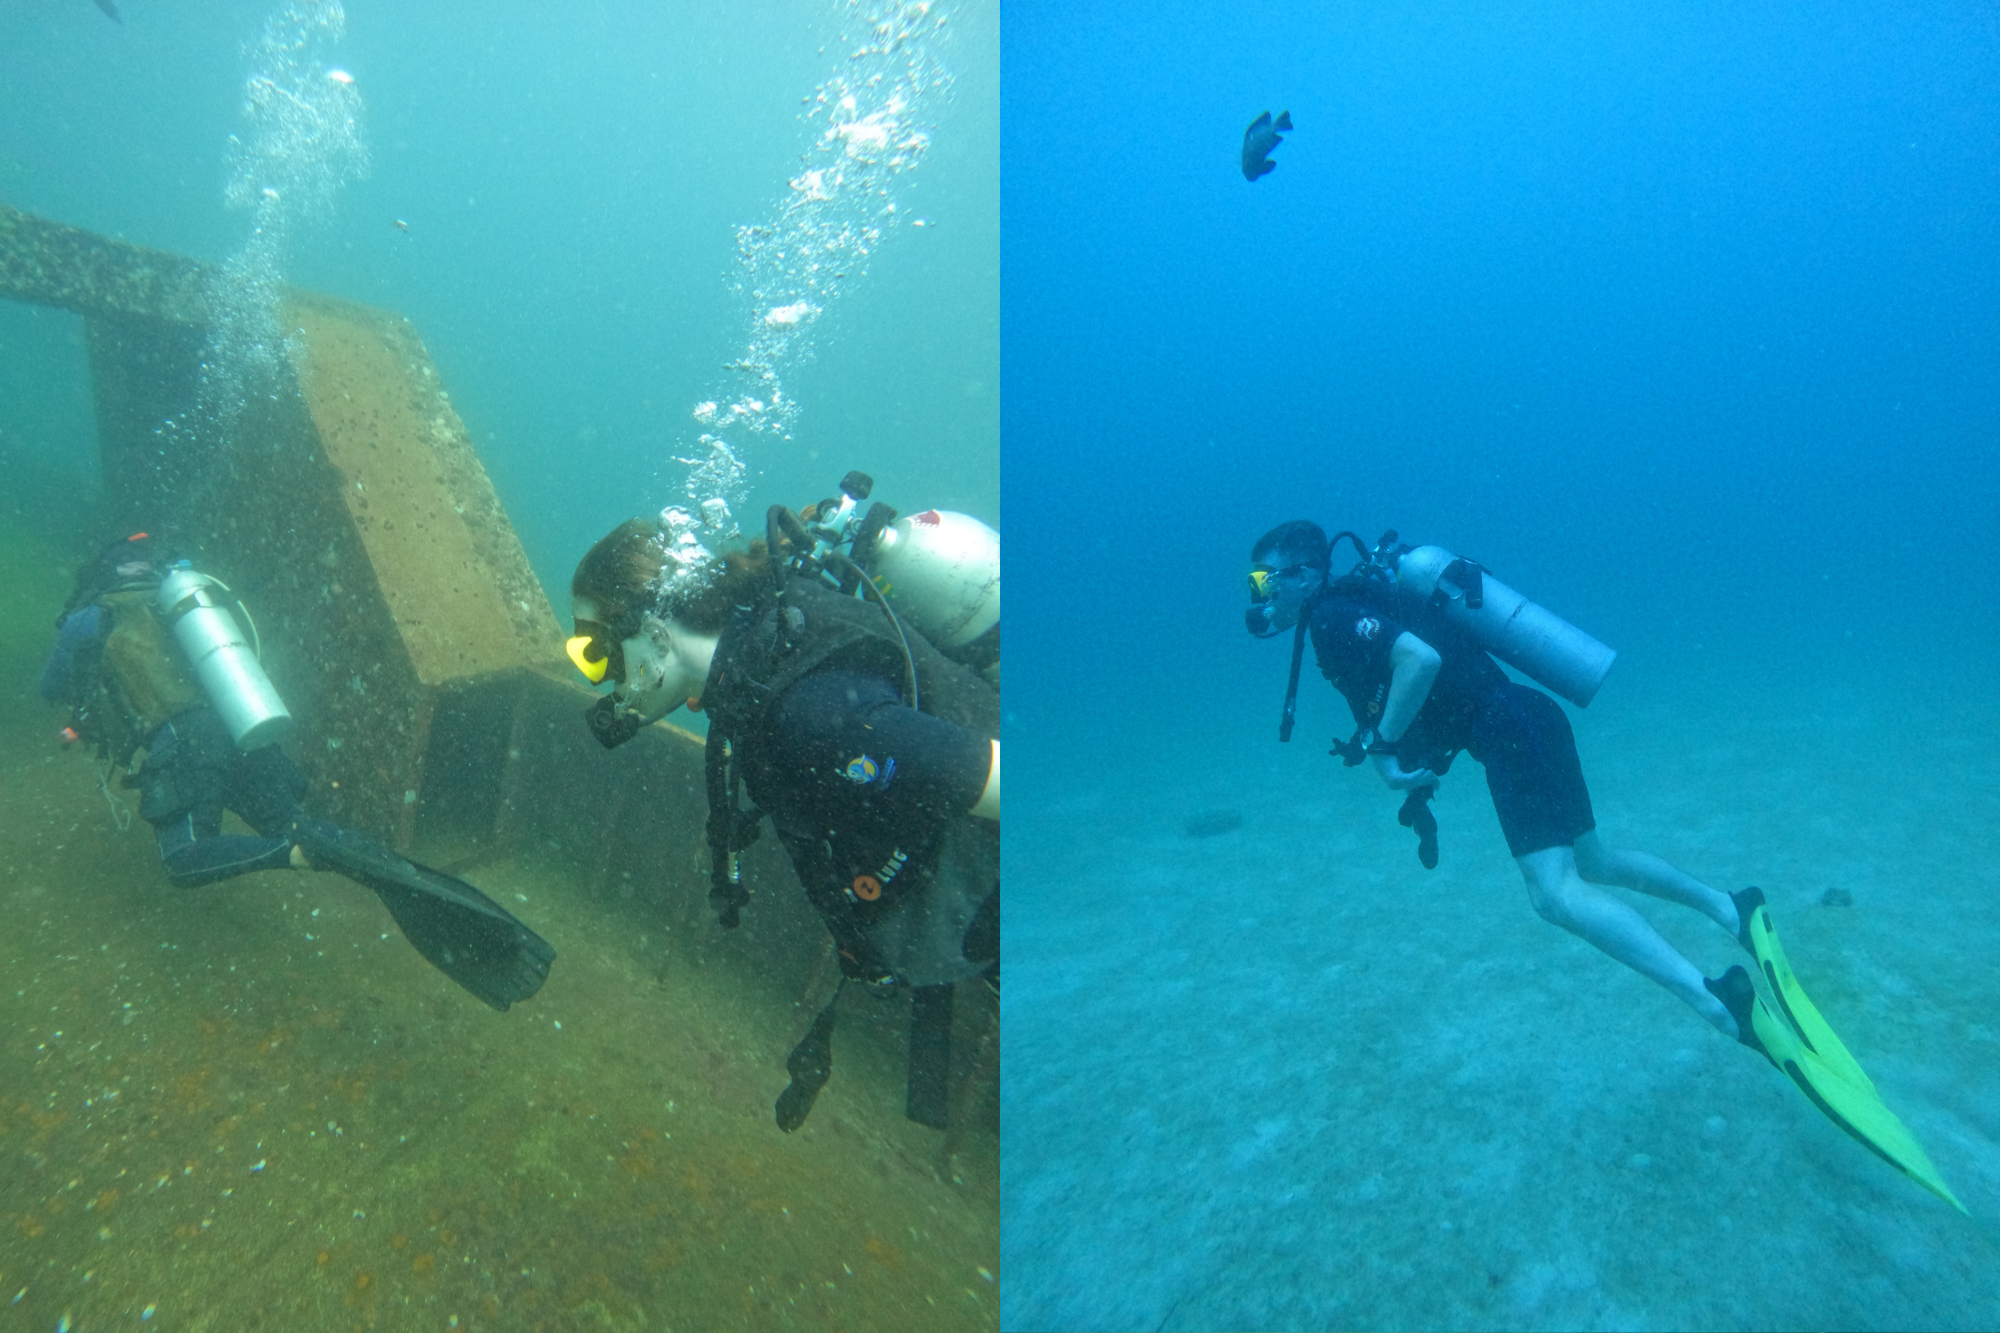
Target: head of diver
{"points": [[649, 610], [657, 663], [1289, 567]]}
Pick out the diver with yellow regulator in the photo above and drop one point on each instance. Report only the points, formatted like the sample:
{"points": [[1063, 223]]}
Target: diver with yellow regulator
{"points": [[1408, 636], [848, 666]]}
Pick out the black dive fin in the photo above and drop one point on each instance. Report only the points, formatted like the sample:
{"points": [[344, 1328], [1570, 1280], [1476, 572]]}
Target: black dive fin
{"points": [[1284, 121], [463, 933], [810, 1065]]}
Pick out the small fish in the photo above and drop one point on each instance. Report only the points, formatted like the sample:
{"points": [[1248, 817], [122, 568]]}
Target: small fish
{"points": [[1259, 140], [402, 226], [110, 9]]}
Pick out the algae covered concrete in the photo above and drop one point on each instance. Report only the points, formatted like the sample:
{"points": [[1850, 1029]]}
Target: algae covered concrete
{"points": [[47, 263], [346, 503]]}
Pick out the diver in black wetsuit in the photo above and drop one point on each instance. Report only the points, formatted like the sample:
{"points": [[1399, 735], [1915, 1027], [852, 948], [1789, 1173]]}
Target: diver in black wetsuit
{"points": [[1405, 636], [875, 756], [132, 687], [1422, 689]]}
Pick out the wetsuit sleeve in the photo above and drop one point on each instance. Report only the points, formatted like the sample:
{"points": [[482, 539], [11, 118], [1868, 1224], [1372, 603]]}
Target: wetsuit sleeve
{"points": [[861, 748], [79, 630]]}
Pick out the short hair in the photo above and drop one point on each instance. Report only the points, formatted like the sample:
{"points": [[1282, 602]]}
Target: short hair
{"points": [[1301, 542]]}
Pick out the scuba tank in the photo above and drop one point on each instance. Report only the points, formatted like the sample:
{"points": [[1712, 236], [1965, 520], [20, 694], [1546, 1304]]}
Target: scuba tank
{"points": [[227, 667], [941, 570], [1527, 636], [938, 570]]}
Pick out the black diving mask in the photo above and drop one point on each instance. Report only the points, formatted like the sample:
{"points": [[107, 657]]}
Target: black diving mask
{"points": [[599, 650], [1278, 597]]}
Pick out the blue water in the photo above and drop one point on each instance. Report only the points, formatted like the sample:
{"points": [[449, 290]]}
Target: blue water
{"points": [[1684, 320]]}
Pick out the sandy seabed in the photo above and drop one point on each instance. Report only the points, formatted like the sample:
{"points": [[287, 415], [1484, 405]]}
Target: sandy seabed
{"points": [[1280, 1076]]}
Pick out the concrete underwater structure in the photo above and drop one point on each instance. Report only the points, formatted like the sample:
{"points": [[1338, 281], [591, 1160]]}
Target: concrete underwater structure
{"points": [[401, 621], [400, 617]]}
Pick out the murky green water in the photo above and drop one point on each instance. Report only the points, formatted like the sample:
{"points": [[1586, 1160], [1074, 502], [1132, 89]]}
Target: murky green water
{"points": [[254, 1106]]}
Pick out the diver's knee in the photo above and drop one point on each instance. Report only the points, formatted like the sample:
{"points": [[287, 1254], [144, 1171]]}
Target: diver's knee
{"points": [[1554, 902], [1555, 909]]}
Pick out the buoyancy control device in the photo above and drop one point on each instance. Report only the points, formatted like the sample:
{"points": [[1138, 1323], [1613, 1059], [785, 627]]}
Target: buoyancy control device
{"points": [[224, 662], [940, 572], [947, 574]]}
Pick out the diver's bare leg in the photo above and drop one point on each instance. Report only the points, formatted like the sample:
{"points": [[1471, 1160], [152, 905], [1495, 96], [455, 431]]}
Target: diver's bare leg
{"points": [[1561, 896], [1645, 873]]}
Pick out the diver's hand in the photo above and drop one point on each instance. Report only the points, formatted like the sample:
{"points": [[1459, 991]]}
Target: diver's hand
{"points": [[1400, 778]]}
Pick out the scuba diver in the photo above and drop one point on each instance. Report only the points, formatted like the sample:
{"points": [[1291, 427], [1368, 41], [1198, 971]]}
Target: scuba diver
{"points": [[847, 666], [150, 655], [1409, 637]]}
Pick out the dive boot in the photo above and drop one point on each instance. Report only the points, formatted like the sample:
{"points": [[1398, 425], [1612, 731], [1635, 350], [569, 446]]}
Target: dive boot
{"points": [[1853, 1107]]}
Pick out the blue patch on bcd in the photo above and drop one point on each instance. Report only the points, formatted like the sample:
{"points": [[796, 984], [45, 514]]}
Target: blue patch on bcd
{"points": [[868, 773]]}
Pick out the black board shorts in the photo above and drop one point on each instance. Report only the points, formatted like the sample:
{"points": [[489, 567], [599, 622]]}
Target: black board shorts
{"points": [[1525, 742]]}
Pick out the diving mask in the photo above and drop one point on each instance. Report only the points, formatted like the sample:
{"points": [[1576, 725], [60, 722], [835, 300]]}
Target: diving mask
{"points": [[1268, 583], [1277, 595], [598, 649], [596, 653]]}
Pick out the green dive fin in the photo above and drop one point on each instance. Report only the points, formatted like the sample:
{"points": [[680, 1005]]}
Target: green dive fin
{"points": [[1853, 1107], [1760, 937]]}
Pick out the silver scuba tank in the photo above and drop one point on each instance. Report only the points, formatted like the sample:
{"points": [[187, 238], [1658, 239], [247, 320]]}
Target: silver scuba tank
{"points": [[229, 672], [937, 571], [1532, 639], [941, 571]]}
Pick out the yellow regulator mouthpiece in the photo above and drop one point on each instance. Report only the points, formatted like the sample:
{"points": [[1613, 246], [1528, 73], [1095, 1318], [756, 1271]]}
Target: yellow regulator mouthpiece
{"points": [[594, 671]]}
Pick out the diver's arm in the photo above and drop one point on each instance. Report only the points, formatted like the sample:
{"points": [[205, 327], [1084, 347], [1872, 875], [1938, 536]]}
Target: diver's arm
{"points": [[988, 805], [59, 682], [1415, 666]]}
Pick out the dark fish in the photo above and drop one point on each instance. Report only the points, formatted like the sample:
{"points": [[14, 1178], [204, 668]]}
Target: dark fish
{"points": [[1259, 140], [110, 9]]}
